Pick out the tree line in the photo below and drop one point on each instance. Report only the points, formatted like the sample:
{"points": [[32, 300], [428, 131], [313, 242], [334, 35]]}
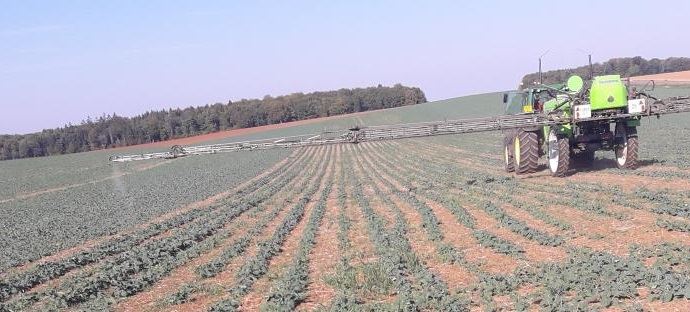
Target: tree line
{"points": [[114, 131], [626, 67]]}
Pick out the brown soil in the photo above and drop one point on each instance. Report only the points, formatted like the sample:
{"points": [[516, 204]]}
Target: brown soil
{"points": [[192, 206], [533, 251], [148, 300], [631, 183], [611, 235], [225, 280], [461, 237], [531, 221], [681, 77], [590, 230], [362, 247], [280, 262], [616, 235], [455, 276], [152, 298], [677, 305], [487, 259], [324, 258]]}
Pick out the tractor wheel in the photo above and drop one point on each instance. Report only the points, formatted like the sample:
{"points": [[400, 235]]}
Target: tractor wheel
{"points": [[559, 154], [583, 159], [526, 152], [508, 157], [627, 147]]}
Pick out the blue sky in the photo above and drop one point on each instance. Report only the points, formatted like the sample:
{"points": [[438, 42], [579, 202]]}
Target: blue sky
{"points": [[61, 61]]}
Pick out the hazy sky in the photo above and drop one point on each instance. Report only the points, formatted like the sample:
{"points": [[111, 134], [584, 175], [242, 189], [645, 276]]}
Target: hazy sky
{"points": [[61, 61]]}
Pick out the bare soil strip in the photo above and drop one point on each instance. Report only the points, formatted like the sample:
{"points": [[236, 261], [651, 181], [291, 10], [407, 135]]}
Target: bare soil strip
{"points": [[622, 232], [461, 237], [291, 160], [627, 183], [229, 226], [215, 288], [186, 274], [277, 265], [215, 136], [453, 275], [362, 246], [615, 236], [533, 250], [631, 183], [531, 221], [324, 257]]}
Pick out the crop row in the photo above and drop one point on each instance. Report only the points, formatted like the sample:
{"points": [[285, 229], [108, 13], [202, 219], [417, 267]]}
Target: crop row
{"points": [[218, 264], [256, 267], [399, 259], [430, 223], [46, 271], [566, 195], [505, 219], [54, 220], [291, 289], [344, 279], [143, 265], [666, 204], [609, 279], [674, 225], [484, 237], [588, 279]]}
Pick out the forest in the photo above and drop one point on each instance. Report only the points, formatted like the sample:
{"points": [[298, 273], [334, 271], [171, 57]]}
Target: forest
{"points": [[625, 66], [110, 131]]}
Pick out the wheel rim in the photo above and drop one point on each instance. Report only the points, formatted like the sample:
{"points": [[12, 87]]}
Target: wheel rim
{"points": [[553, 151], [517, 151], [506, 156], [622, 153]]}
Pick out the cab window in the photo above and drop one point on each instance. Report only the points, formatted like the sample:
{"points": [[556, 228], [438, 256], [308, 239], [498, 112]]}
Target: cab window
{"points": [[515, 102]]}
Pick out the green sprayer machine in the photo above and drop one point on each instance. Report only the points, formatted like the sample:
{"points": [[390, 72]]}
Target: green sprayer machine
{"points": [[566, 122]]}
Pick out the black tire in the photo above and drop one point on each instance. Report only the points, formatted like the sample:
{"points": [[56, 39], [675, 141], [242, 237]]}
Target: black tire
{"points": [[627, 148], [526, 152], [558, 154], [508, 158], [584, 159]]}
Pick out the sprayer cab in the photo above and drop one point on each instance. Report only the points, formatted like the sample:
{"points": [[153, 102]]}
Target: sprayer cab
{"points": [[601, 115]]}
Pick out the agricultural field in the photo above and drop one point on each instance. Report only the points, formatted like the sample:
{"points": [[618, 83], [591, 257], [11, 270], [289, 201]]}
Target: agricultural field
{"points": [[416, 224]]}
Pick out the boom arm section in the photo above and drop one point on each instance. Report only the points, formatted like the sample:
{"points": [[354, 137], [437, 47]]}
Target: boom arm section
{"points": [[410, 130]]}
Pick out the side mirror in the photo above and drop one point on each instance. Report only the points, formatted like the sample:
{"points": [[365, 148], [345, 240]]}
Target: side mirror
{"points": [[505, 98]]}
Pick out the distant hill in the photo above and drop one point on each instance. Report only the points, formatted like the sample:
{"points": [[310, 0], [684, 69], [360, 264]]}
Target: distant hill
{"points": [[115, 131], [626, 67]]}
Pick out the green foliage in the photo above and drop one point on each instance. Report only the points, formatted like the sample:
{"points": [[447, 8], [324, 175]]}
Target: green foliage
{"points": [[105, 204], [251, 195], [674, 225], [114, 131], [625, 66], [292, 287], [182, 295], [496, 243], [665, 203], [520, 227], [257, 266]]}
